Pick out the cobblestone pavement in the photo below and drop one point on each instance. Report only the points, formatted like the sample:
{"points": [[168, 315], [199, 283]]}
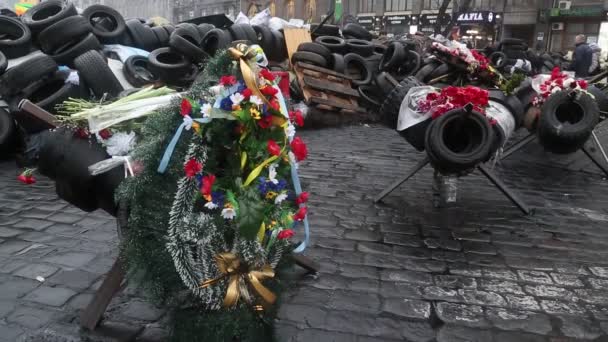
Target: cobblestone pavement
{"points": [[396, 271]]}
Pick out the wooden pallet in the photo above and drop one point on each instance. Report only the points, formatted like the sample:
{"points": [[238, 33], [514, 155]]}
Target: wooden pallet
{"points": [[327, 89]]}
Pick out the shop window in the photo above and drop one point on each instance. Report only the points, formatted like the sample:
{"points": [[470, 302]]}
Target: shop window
{"points": [[435, 4], [521, 4], [204, 13], [398, 5], [366, 6], [291, 9], [191, 13]]}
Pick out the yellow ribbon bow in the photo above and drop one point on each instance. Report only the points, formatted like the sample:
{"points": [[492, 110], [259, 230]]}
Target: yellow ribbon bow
{"points": [[230, 267]]}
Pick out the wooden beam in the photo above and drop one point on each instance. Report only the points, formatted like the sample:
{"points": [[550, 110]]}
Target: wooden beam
{"points": [[110, 286]]}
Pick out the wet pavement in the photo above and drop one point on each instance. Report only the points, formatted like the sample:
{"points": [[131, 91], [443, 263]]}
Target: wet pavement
{"points": [[400, 270]]}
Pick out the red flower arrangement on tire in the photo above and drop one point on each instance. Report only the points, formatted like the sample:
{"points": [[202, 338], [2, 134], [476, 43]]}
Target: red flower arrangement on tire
{"points": [[452, 97]]}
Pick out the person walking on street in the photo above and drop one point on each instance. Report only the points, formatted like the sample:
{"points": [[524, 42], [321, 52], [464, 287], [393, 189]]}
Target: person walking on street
{"points": [[581, 60]]}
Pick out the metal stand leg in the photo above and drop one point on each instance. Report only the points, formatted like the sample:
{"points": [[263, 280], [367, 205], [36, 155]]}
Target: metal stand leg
{"points": [[400, 181], [518, 145], [595, 160], [504, 189], [599, 145]]}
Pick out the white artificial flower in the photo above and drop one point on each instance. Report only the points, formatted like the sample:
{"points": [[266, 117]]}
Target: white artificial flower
{"points": [[290, 131], [188, 121], [236, 98], [280, 198], [206, 110], [120, 143], [568, 82], [256, 100], [292, 159], [228, 213], [272, 173], [211, 205], [216, 90], [555, 90]]}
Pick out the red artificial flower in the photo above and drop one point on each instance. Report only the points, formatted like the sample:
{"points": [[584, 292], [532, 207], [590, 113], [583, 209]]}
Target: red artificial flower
{"points": [[207, 186], [239, 129], [267, 74], [265, 121], [297, 118], [555, 73], [81, 133], [186, 107], [26, 178], [298, 147], [192, 167], [269, 91], [285, 234], [302, 198], [274, 104], [273, 148], [582, 84], [301, 214], [105, 134], [227, 80], [247, 93]]}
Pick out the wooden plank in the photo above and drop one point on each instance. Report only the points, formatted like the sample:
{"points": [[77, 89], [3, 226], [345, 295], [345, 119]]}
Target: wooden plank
{"points": [[330, 86], [306, 263], [322, 70], [334, 103], [97, 307], [31, 110], [293, 38]]}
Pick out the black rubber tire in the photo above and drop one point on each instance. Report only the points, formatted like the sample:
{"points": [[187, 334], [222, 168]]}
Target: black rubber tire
{"points": [[316, 48], [191, 29], [325, 30], [385, 82], [514, 54], [334, 44], [389, 110], [359, 46], [168, 64], [161, 35], [216, 39], [104, 35], [498, 59], [169, 28], [363, 72], [600, 97], [512, 102], [380, 49], [393, 57], [441, 70], [337, 62], [370, 96], [357, 31], [204, 28], [137, 71], [512, 41], [555, 132], [47, 13], [3, 63], [475, 137], [412, 64], [182, 42], [264, 37], [309, 57], [63, 32], [49, 92], [22, 75], [142, 35], [281, 48], [423, 75], [243, 32], [8, 131], [67, 56], [18, 42], [94, 70]]}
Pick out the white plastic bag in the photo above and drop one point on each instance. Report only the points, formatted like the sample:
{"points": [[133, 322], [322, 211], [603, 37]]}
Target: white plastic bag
{"points": [[261, 18], [408, 112], [277, 23], [503, 116], [297, 23], [241, 19]]}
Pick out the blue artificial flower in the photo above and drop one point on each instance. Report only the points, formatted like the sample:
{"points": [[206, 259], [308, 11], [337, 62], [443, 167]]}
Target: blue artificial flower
{"points": [[217, 197], [263, 186], [279, 186], [241, 87], [226, 104], [199, 179]]}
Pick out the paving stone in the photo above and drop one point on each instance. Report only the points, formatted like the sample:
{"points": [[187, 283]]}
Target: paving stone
{"points": [[16, 287], [441, 293], [8, 232], [80, 301], [507, 319], [63, 217], [343, 245], [12, 247], [465, 270], [32, 271], [34, 224], [53, 296], [408, 308], [579, 327], [455, 282], [402, 240], [453, 333], [499, 273], [597, 283], [302, 315], [331, 336], [460, 314], [30, 317], [406, 276], [6, 307], [374, 248], [362, 235], [12, 265], [141, 311], [592, 296], [482, 298], [557, 307], [510, 336], [404, 290], [358, 271], [36, 213], [567, 268], [479, 248], [530, 264], [417, 331], [153, 334], [599, 271], [548, 291], [525, 303], [443, 243], [10, 333], [72, 259], [365, 325], [364, 285], [75, 279], [569, 280], [535, 277], [354, 301], [501, 286]]}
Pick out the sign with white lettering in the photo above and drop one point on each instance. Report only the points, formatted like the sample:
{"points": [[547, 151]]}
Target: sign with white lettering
{"points": [[431, 19], [480, 17], [372, 23], [397, 20]]}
